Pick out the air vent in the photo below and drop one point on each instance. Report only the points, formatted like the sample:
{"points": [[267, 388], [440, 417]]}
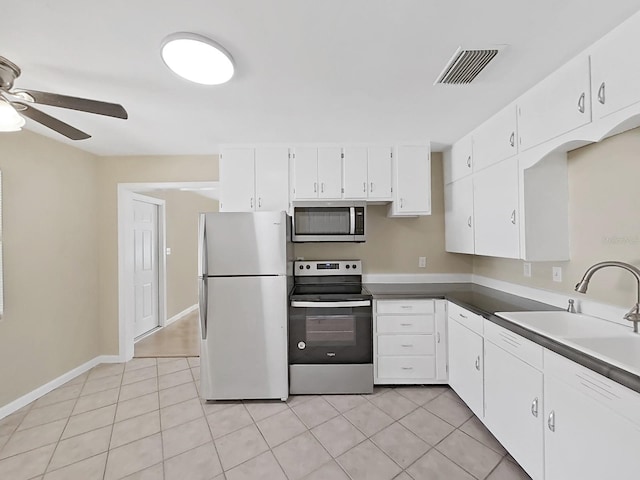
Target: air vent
{"points": [[465, 65]]}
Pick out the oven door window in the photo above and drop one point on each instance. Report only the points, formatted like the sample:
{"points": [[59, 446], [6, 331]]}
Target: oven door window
{"points": [[330, 330]]}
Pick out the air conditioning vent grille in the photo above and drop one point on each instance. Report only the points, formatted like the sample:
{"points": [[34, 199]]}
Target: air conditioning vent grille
{"points": [[465, 65]]}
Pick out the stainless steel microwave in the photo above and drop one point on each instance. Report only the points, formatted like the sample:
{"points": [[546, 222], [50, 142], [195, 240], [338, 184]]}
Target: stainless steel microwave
{"points": [[329, 222]]}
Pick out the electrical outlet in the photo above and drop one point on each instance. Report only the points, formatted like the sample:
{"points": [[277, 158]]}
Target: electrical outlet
{"points": [[422, 262], [168, 251], [527, 269], [557, 274]]}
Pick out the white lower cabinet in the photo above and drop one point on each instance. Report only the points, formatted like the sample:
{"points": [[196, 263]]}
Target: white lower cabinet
{"points": [[591, 429], [513, 406], [410, 342]]}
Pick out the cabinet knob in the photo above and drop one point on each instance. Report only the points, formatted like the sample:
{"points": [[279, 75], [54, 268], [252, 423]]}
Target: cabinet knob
{"points": [[601, 94], [581, 101]]}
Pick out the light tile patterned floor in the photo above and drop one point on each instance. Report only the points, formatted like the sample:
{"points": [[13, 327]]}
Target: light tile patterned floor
{"points": [[143, 420]]}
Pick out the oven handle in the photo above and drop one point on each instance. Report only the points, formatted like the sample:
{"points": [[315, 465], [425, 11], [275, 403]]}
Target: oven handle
{"points": [[352, 303]]}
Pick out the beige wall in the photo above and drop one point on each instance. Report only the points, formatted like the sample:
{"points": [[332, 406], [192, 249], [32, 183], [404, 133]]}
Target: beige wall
{"points": [[182, 209], [50, 246], [114, 170], [604, 222], [394, 244]]}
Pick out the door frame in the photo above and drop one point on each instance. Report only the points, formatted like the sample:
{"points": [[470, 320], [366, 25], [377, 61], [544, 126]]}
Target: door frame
{"points": [[126, 308]]}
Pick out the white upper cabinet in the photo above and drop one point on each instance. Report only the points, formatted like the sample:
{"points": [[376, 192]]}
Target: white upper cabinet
{"points": [[615, 71], [458, 216], [355, 170], [237, 180], [317, 173], [495, 204], [412, 181], [559, 103], [272, 178], [458, 160], [496, 139], [254, 179], [379, 173], [330, 173]]}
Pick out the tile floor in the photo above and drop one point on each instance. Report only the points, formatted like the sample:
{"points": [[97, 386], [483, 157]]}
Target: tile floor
{"points": [[143, 420], [180, 339]]}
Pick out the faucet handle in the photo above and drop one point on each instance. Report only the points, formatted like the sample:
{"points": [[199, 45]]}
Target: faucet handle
{"points": [[571, 308]]}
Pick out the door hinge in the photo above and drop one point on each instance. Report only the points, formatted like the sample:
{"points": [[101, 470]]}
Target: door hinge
{"points": [[342, 190], [342, 155], [391, 154]]}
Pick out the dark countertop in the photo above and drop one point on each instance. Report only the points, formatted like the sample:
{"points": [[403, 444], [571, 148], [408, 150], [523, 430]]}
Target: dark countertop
{"points": [[486, 302]]}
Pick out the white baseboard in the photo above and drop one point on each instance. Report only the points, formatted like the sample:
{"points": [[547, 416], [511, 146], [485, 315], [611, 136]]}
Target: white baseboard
{"points": [[181, 314], [26, 399], [417, 278]]}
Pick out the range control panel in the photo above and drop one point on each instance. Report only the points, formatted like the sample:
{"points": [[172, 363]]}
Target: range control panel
{"points": [[324, 267]]}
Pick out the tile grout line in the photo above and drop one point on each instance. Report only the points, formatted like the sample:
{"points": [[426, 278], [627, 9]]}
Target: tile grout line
{"points": [[115, 414]]}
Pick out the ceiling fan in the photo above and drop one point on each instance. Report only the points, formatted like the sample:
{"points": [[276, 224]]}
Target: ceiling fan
{"points": [[23, 102]]}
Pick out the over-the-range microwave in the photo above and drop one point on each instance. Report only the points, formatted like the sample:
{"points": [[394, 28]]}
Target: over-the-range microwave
{"points": [[328, 222]]}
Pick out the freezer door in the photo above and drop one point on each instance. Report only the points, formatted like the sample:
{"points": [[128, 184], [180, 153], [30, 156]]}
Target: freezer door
{"points": [[243, 244], [244, 352]]}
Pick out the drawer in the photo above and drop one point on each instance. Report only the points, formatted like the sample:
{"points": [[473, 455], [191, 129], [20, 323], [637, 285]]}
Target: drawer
{"points": [[406, 345], [406, 367], [465, 317], [405, 323], [404, 306], [513, 343]]}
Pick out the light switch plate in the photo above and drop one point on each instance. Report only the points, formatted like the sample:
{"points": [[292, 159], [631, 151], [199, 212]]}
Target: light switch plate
{"points": [[527, 269], [557, 274]]}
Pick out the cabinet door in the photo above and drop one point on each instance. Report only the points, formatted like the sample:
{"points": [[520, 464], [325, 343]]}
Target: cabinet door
{"points": [[354, 166], [558, 104], [513, 407], [615, 77], [413, 181], [237, 180], [458, 216], [379, 173], [466, 366], [458, 161], [495, 209], [330, 172], [305, 173], [272, 178], [584, 439], [495, 139]]}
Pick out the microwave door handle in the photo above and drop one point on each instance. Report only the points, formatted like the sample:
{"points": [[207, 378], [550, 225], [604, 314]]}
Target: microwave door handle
{"points": [[347, 303], [352, 220]]}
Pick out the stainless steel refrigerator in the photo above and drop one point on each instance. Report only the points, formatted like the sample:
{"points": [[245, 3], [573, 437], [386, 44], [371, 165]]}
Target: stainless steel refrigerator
{"points": [[245, 273]]}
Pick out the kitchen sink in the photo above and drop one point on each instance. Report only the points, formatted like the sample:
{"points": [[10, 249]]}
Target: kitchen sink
{"points": [[622, 351], [560, 324]]}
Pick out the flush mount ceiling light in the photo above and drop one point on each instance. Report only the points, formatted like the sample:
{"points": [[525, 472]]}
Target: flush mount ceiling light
{"points": [[197, 58], [10, 121]]}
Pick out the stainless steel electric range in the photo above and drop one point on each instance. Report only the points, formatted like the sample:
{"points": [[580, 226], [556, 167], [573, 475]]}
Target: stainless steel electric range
{"points": [[330, 329]]}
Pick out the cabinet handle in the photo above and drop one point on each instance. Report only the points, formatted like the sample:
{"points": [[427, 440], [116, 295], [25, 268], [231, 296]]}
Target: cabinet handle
{"points": [[371, 186], [512, 139], [601, 94], [581, 103], [438, 337], [406, 307], [469, 161], [534, 407], [364, 187], [463, 316], [322, 187], [315, 187], [551, 421], [469, 222], [407, 368], [259, 202], [407, 346], [251, 202], [406, 324], [401, 202], [513, 217], [478, 363]]}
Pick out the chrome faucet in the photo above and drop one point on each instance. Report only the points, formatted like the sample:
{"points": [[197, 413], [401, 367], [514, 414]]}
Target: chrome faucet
{"points": [[632, 315]]}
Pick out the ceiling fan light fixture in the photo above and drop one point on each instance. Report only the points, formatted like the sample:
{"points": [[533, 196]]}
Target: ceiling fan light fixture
{"points": [[10, 120], [197, 58]]}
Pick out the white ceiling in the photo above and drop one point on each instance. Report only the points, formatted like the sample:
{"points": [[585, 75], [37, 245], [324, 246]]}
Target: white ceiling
{"points": [[307, 70]]}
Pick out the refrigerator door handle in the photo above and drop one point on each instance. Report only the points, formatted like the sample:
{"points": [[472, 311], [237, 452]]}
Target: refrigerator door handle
{"points": [[204, 258], [203, 300]]}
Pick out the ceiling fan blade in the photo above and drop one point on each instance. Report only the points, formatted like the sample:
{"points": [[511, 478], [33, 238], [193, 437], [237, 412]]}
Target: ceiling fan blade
{"points": [[74, 103], [53, 123]]}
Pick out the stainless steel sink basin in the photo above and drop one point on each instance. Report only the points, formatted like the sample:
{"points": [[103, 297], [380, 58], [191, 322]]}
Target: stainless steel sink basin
{"points": [[562, 324]]}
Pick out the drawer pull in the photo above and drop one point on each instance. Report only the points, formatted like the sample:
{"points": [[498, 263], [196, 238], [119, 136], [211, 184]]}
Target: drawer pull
{"points": [[407, 346], [407, 368], [551, 421], [406, 307], [406, 324], [463, 316], [534, 407]]}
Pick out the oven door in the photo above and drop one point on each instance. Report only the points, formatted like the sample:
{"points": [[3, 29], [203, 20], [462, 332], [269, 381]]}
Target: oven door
{"points": [[330, 332]]}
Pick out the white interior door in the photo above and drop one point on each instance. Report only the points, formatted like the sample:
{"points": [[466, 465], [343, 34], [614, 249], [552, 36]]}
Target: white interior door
{"points": [[145, 255]]}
